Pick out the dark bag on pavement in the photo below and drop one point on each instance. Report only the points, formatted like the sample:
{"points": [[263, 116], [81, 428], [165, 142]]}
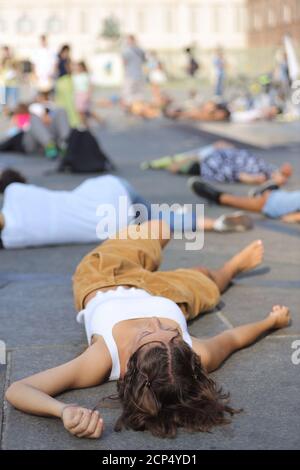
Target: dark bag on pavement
{"points": [[84, 155], [13, 144]]}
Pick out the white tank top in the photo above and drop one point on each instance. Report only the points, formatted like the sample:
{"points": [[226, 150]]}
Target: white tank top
{"points": [[108, 308]]}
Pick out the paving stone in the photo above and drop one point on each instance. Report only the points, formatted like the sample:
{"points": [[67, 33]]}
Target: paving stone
{"points": [[244, 304], [38, 313]]}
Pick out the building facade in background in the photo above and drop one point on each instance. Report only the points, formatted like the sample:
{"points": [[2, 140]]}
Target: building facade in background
{"points": [[249, 30], [270, 20], [159, 24]]}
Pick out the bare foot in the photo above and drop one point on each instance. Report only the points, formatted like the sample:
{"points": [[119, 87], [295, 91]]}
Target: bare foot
{"points": [[280, 315], [248, 258]]}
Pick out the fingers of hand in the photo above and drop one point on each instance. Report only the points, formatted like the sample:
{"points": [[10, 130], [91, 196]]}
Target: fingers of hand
{"points": [[280, 308], [72, 420], [95, 419], [99, 430], [83, 423]]}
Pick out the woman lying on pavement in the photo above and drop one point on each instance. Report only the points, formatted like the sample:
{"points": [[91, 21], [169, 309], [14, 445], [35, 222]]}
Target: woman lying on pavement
{"points": [[136, 323]]}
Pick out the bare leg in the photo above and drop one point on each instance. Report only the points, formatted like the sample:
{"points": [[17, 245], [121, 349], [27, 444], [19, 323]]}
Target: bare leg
{"points": [[194, 114], [176, 166], [206, 224], [234, 222], [144, 110], [254, 204], [156, 94], [245, 260]]}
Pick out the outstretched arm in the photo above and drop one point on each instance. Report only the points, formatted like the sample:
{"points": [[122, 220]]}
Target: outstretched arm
{"points": [[35, 394], [215, 350]]}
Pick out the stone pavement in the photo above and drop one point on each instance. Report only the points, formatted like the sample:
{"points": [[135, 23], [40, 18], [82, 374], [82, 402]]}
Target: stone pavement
{"points": [[261, 134], [37, 317]]}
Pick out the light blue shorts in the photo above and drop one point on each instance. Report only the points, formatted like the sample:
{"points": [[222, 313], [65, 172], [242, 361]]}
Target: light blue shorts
{"points": [[281, 203]]}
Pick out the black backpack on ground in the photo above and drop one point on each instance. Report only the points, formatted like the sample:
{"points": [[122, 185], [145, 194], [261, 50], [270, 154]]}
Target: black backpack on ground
{"points": [[84, 155], [13, 144]]}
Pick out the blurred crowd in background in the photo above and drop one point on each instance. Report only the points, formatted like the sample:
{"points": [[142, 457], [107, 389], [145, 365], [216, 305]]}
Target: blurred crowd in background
{"points": [[54, 70], [53, 93]]}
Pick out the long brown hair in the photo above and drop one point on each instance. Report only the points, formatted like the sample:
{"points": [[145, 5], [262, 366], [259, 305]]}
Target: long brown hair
{"points": [[165, 388]]}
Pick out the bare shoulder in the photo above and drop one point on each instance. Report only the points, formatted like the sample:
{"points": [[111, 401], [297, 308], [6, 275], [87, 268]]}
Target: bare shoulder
{"points": [[94, 364], [199, 347]]}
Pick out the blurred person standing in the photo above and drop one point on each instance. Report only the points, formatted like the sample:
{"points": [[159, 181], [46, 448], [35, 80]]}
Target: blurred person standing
{"points": [[282, 71], [83, 94], [82, 88], [192, 64], [10, 78], [157, 77], [219, 72], [44, 65], [64, 87], [134, 80], [191, 69]]}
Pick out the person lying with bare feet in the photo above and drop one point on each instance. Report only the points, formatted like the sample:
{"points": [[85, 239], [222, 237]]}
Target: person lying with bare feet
{"points": [[144, 110], [212, 111], [223, 162], [209, 111], [276, 204], [136, 322], [148, 109]]}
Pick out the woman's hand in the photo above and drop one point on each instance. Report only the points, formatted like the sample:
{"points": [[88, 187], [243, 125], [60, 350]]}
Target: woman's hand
{"points": [[215, 350], [280, 315], [82, 422]]}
